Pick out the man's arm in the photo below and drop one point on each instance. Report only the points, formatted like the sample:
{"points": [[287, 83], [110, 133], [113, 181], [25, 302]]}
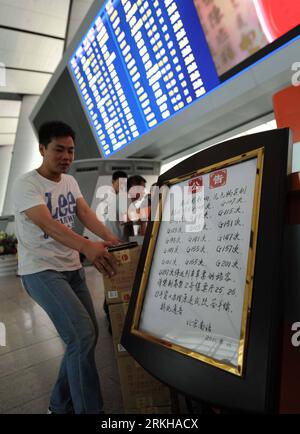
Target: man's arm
{"points": [[89, 219], [96, 252]]}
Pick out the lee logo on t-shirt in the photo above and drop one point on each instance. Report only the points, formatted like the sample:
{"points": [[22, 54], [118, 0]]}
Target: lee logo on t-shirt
{"points": [[65, 210]]}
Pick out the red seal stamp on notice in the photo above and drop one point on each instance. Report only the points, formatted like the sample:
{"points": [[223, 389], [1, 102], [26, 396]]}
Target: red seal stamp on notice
{"points": [[218, 178], [195, 184]]}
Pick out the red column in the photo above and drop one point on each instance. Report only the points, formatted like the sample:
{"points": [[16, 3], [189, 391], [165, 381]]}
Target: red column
{"points": [[287, 112]]}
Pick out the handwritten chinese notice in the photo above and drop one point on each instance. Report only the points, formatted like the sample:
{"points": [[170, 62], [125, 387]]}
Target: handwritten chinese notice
{"points": [[196, 287]]}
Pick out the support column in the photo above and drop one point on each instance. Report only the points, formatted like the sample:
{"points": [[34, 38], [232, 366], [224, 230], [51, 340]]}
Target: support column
{"points": [[26, 154]]}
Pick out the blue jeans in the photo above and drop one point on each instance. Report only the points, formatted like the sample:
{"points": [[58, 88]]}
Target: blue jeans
{"points": [[66, 299]]}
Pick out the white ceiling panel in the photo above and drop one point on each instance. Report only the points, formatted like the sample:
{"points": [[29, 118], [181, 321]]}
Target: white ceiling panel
{"points": [[25, 51], [42, 16], [8, 125], [79, 11], [10, 109], [23, 82], [7, 139]]}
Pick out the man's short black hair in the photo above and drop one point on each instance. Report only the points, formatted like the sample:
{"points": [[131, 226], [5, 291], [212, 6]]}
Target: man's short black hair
{"points": [[51, 130], [119, 174], [135, 180]]}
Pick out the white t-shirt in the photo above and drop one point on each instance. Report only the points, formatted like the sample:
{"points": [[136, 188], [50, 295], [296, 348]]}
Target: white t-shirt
{"points": [[36, 250]]}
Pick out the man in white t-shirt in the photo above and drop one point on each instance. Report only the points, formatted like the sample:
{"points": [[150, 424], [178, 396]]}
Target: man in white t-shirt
{"points": [[46, 202]]}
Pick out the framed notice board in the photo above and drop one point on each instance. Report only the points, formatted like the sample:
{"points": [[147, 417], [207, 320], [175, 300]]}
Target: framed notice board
{"points": [[195, 295], [206, 300]]}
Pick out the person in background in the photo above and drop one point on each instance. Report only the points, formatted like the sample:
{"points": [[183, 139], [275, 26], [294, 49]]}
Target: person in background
{"points": [[46, 202], [136, 191], [123, 226], [119, 179], [136, 194]]}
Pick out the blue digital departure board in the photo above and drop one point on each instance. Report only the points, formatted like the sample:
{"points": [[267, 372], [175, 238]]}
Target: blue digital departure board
{"points": [[140, 63], [143, 61]]}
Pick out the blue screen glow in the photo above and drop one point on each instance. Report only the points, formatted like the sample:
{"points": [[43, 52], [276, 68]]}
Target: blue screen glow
{"points": [[140, 63]]}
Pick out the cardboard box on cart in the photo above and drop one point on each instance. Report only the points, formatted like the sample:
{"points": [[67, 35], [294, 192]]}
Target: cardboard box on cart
{"points": [[139, 389], [141, 392], [117, 313], [118, 288]]}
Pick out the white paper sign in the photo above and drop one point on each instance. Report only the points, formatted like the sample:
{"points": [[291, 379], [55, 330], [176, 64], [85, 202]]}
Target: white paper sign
{"points": [[195, 292]]}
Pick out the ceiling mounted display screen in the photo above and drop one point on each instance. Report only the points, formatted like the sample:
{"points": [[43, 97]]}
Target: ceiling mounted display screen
{"points": [[143, 61]]}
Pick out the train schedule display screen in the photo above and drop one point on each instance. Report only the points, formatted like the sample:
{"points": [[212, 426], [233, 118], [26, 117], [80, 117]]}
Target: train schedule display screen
{"points": [[139, 64], [143, 61]]}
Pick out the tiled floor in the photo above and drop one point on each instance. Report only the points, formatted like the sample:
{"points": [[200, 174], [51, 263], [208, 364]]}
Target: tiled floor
{"points": [[30, 360]]}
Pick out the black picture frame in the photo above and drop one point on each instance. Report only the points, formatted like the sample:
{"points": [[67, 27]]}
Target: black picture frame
{"points": [[258, 389]]}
